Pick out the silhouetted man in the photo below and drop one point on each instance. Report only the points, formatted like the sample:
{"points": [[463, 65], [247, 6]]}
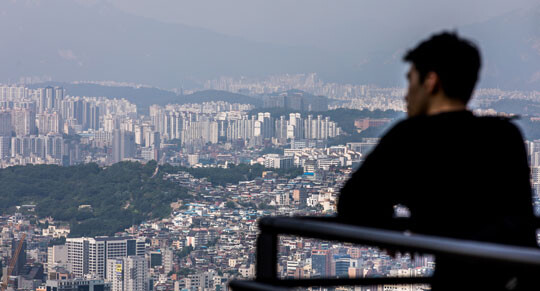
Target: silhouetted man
{"points": [[460, 175]]}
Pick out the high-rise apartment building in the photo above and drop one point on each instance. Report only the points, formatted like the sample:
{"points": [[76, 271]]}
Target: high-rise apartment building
{"points": [[49, 122], [13, 92], [5, 123], [202, 132], [23, 121], [281, 128], [241, 129], [123, 145], [58, 97], [39, 146], [319, 128], [88, 256], [5, 147], [90, 116], [49, 97]]}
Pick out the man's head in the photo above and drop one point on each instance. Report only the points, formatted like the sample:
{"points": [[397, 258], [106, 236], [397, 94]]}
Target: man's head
{"points": [[444, 70]]}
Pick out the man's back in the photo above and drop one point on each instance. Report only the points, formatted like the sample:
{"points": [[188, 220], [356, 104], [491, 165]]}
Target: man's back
{"points": [[461, 176]]}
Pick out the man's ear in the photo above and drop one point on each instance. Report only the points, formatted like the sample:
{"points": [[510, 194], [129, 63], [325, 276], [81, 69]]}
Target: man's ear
{"points": [[432, 83]]}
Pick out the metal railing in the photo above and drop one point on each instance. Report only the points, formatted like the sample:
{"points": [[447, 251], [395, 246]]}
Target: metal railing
{"points": [[328, 229]]}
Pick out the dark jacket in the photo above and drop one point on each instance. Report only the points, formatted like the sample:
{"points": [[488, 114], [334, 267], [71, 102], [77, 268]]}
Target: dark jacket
{"points": [[460, 175]]}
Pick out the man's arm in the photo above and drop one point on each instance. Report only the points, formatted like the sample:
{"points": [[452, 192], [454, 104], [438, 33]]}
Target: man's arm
{"points": [[368, 197], [519, 215]]}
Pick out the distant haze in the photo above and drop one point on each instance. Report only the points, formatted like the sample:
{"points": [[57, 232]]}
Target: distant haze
{"points": [[172, 43], [337, 25]]}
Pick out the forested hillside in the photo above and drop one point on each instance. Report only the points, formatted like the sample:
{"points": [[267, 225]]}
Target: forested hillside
{"points": [[102, 201], [119, 195]]}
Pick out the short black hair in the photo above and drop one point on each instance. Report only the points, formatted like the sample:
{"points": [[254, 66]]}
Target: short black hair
{"points": [[455, 60]]}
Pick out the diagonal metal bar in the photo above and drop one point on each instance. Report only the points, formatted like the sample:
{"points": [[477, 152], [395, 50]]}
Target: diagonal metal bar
{"points": [[394, 239], [239, 285]]}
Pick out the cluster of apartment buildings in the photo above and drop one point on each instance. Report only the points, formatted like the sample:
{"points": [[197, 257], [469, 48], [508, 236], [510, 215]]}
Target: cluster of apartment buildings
{"points": [[35, 122], [195, 129], [48, 126], [351, 95]]}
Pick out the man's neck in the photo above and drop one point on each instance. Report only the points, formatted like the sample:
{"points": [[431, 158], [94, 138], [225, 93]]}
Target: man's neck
{"points": [[442, 103]]}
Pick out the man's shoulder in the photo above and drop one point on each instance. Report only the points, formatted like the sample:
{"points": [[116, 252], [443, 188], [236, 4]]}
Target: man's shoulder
{"points": [[454, 119], [499, 124], [407, 126], [452, 127]]}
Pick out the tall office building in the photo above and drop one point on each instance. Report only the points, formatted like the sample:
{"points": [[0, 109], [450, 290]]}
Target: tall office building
{"points": [[156, 259], [128, 273], [88, 256], [342, 264], [320, 263]]}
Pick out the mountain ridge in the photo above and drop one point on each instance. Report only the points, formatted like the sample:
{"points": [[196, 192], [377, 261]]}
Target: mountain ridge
{"points": [[144, 97]]}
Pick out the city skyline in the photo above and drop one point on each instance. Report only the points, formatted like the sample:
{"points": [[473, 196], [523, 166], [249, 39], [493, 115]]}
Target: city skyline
{"points": [[142, 142]]}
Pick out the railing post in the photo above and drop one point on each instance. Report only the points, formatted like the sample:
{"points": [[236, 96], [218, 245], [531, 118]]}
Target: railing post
{"points": [[267, 255]]}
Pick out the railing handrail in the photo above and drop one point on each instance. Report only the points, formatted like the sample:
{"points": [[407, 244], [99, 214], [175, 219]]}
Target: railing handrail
{"points": [[430, 244], [330, 229]]}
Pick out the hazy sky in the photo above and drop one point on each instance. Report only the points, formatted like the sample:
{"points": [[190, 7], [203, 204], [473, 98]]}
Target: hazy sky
{"points": [[328, 24], [349, 41]]}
